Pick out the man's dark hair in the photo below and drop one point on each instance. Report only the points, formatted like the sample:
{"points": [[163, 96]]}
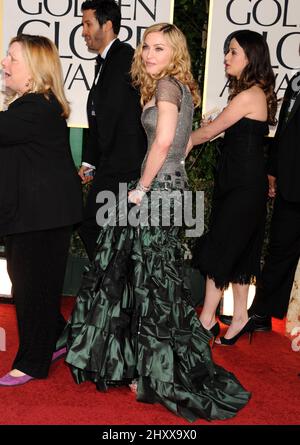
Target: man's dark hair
{"points": [[105, 10]]}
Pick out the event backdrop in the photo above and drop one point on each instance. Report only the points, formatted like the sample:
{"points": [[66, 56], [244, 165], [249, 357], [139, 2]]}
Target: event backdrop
{"points": [[60, 20], [277, 20]]}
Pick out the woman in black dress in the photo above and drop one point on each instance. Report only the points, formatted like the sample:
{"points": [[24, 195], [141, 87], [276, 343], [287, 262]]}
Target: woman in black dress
{"points": [[231, 250]]}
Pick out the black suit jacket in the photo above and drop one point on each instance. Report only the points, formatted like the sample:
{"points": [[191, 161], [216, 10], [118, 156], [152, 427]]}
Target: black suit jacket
{"points": [[284, 161], [116, 142], [39, 186]]}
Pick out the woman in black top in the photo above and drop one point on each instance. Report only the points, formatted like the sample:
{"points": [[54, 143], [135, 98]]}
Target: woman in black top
{"points": [[40, 198]]}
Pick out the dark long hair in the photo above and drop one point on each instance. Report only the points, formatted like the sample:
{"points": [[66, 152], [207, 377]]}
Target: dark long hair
{"points": [[258, 71]]}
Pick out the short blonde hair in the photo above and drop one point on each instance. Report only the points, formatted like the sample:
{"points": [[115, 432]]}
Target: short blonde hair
{"points": [[179, 67], [43, 61]]}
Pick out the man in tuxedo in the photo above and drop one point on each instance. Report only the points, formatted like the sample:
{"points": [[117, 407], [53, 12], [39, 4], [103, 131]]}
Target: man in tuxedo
{"points": [[116, 142], [274, 289]]}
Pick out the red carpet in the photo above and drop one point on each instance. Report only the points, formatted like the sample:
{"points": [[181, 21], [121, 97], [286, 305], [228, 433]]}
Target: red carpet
{"points": [[268, 368]]}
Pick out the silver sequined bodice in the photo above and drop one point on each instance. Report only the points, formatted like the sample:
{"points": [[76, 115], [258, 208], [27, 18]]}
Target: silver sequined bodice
{"points": [[172, 173]]}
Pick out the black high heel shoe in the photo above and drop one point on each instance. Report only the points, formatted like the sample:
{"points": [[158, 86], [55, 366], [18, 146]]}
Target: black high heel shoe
{"points": [[247, 329], [215, 331]]}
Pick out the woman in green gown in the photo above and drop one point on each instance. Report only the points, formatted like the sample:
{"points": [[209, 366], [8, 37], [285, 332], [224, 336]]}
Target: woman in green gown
{"points": [[133, 317]]}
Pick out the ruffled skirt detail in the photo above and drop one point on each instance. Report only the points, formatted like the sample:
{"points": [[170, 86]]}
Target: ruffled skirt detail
{"points": [[134, 319]]}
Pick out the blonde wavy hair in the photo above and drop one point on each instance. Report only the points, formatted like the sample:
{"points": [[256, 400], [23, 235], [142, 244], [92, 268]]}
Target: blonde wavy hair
{"points": [[179, 66], [43, 61]]}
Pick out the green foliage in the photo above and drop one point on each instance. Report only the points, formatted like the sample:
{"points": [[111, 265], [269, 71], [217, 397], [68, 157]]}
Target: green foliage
{"points": [[191, 16], [76, 246]]}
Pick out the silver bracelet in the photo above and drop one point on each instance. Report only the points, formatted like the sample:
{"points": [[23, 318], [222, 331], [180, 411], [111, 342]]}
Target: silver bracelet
{"points": [[142, 188]]}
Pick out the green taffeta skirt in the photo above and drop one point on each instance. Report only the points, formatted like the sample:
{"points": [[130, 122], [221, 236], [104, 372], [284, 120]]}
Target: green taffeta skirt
{"points": [[134, 319]]}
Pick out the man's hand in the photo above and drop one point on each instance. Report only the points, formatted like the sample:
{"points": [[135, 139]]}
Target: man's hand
{"points": [[83, 172], [272, 186]]}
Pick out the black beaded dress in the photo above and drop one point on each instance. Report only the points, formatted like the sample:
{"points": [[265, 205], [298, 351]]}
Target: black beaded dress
{"points": [[133, 318]]}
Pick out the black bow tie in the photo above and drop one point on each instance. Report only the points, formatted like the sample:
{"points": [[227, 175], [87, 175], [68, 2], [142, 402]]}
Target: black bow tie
{"points": [[99, 62]]}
